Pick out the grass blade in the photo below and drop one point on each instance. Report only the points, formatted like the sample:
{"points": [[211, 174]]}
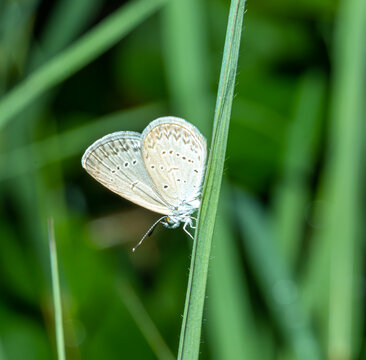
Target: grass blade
{"points": [[2, 352], [292, 195], [342, 181], [186, 57], [332, 282], [275, 279], [192, 318], [72, 59], [56, 292], [144, 322], [73, 17], [231, 328]]}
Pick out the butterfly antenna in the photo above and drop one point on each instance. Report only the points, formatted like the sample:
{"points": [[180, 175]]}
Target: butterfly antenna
{"points": [[148, 232]]}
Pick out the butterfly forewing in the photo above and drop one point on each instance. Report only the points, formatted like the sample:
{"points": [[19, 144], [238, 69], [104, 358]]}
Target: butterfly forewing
{"points": [[115, 161], [174, 153]]}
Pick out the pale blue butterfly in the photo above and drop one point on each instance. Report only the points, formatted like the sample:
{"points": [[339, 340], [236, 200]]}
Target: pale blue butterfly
{"points": [[161, 169]]}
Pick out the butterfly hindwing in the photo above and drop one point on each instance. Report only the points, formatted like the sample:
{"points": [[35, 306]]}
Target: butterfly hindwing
{"points": [[174, 153], [115, 161]]}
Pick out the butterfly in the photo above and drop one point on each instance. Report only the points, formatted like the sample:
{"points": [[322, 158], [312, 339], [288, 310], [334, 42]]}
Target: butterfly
{"points": [[161, 169]]}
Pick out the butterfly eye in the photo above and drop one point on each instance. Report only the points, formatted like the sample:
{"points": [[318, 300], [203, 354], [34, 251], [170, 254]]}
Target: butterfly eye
{"points": [[169, 221]]}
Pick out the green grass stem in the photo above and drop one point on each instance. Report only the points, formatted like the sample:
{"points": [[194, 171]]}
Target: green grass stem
{"points": [[56, 293], [192, 319], [344, 181]]}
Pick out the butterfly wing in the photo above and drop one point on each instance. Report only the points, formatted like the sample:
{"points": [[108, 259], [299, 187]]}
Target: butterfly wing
{"points": [[115, 161], [174, 153]]}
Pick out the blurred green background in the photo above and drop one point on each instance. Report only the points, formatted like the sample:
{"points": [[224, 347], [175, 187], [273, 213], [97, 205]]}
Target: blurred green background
{"points": [[287, 277]]}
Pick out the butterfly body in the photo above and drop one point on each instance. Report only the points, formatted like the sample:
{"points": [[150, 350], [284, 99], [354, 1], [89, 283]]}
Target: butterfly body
{"points": [[161, 169]]}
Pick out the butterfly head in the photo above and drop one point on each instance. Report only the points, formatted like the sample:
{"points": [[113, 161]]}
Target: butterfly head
{"points": [[173, 221]]}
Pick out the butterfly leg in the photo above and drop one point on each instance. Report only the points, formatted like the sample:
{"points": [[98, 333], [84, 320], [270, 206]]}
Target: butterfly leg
{"points": [[185, 229], [191, 222]]}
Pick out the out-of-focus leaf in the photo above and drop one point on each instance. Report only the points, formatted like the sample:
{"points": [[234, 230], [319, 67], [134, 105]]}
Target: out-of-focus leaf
{"points": [[231, 328], [76, 56], [73, 142], [275, 279], [186, 59], [292, 195]]}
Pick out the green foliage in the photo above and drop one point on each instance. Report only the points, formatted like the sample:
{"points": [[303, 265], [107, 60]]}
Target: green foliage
{"points": [[286, 267], [56, 293]]}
